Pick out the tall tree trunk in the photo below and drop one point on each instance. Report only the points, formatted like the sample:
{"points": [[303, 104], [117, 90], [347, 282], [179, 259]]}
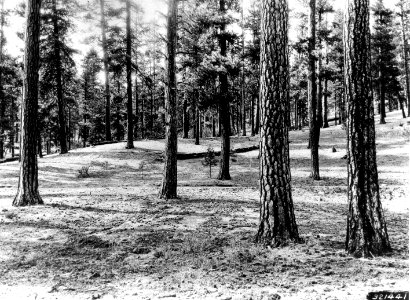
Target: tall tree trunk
{"points": [[2, 100], [382, 87], [224, 107], [213, 126], [325, 105], [366, 228], [185, 116], [143, 116], [252, 111], [12, 130], [106, 74], [39, 145], [136, 127], [405, 54], [403, 113], [200, 124], [326, 94], [27, 192], [196, 117], [130, 125], [314, 128], [59, 83], [319, 113], [243, 106], [277, 225], [169, 181]]}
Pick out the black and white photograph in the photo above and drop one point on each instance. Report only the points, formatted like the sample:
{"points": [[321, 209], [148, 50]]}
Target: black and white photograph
{"points": [[204, 149]]}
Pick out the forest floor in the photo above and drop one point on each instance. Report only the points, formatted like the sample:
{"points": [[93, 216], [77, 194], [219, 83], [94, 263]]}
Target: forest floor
{"points": [[108, 236]]}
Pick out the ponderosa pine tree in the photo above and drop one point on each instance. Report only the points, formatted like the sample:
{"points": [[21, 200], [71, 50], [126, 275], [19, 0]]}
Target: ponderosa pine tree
{"points": [[384, 57], [130, 123], [314, 127], [366, 228], [106, 72], [27, 192], [2, 100], [224, 104], [404, 11], [169, 180], [277, 220]]}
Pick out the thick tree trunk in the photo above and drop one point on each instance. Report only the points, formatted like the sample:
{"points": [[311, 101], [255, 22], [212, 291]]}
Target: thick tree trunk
{"points": [[59, 84], [366, 228], [2, 100], [277, 220], [106, 74], [314, 128], [130, 125], [169, 181], [27, 192]]}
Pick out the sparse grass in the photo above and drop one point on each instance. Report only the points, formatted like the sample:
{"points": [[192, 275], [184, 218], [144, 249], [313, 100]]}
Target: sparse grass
{"points": [[110, 235]]}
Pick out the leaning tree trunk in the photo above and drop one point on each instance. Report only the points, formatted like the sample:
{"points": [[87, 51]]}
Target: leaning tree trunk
{"points": [[314, 128], [277, 220], [130, 125], [106, 75], [169, 181], [27, 193], [366, 228]]}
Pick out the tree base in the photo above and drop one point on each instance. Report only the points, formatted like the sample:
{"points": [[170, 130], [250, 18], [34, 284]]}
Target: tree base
{"points": [[168, 196], [27, 199], [224, 177], [277, 242]]}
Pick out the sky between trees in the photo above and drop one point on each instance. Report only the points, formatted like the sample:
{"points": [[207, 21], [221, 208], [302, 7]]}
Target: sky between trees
{"points": [[153, 10]]}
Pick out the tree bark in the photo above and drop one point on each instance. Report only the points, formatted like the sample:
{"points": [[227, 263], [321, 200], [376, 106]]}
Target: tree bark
{"points": [[224, 107], [277, 220], [252, 112], [196, 117], [169, 181], [185, 116], [130, 125], [314, 128], [106, 74], [27, 192], [325, 105], [405, 54], [2, 100], [59, 84], [366, 228]]}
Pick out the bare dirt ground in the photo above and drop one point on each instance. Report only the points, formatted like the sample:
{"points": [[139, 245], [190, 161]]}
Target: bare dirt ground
{"points": [[108, 236]]}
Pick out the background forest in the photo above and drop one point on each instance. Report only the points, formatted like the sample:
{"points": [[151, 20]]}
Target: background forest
{"points": [[83, 91]]}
